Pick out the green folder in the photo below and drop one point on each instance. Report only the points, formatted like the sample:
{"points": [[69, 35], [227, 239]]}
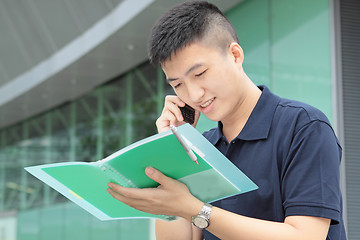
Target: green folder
{"points": [[214, 178]]}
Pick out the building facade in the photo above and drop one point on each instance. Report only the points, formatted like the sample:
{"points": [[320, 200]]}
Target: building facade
{"points": [[89, 105]]}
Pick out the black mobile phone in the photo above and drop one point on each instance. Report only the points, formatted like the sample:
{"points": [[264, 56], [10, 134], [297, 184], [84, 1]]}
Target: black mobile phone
{"points": [[188, 114]]}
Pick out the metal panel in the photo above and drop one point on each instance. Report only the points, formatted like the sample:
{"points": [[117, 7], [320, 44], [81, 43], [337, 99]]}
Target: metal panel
{"points": [[350, 42], [57, 21], [12, 46], [87, 12], [30, 34]]}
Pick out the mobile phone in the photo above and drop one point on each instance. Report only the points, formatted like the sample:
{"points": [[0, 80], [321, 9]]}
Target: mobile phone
{"points": [[188, 114]]}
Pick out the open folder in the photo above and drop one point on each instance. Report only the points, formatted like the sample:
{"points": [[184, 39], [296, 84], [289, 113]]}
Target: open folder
{"points": [[84, 183]]}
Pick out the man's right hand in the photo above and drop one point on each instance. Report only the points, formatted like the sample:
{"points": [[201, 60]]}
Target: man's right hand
{"points": [[171, 114]]}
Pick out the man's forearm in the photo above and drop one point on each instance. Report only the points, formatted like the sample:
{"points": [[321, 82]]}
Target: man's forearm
{"points": [[227, 225]]}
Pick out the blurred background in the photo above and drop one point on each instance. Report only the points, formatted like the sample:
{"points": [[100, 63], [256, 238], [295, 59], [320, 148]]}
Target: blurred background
{"points": [[76, 85]]}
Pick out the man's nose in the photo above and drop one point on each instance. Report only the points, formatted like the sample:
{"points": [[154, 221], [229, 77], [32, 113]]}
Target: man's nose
{"points": [[196, 92]]}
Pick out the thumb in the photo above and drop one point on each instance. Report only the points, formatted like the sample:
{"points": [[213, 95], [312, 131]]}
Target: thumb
{"points": [[156, 175]]}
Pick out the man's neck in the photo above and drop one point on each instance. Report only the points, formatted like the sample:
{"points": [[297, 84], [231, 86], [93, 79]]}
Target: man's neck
{"points": [[236, 122]]}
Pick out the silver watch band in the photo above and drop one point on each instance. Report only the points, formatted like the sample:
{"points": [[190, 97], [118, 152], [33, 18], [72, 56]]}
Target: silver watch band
{"points": [[206, 210], [202, 219]]}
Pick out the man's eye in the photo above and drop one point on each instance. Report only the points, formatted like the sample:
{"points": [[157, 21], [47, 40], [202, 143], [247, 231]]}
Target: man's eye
{"points": [[177, 85], [198, 75]]}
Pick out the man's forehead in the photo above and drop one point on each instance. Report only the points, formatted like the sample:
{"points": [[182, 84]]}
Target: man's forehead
{"points": [[189, 51]]}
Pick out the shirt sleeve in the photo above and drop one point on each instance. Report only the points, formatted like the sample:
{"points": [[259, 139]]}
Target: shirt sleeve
{"points": [[311, 175]]}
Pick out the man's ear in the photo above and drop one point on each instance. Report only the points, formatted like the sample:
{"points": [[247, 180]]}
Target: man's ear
{"points": [[236, 53]]}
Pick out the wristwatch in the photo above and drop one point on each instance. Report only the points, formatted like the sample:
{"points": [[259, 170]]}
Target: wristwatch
{"points": [[202, 219]]}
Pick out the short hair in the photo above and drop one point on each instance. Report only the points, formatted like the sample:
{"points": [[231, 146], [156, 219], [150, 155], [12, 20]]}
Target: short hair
{"points": [[186, 23]]}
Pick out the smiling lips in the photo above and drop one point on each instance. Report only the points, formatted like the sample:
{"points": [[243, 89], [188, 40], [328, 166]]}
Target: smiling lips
{"points": [[207, 103]]}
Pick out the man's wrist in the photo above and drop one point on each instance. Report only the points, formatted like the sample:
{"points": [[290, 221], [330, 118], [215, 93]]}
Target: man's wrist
{"points": [[191, 209], [202, 219]]}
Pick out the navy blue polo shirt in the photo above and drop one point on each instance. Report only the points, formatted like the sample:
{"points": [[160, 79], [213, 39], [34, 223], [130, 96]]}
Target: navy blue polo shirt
{"points": [[291, 152]]}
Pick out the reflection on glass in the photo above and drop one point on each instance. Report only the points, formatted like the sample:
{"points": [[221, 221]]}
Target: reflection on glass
{"points": [[110, 117]]}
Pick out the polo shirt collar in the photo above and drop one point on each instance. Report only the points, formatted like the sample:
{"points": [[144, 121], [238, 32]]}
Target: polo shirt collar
{"points": [[258, 125]]}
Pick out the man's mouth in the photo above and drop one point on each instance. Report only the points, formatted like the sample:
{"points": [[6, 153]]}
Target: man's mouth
{"points": [[207, 103]]}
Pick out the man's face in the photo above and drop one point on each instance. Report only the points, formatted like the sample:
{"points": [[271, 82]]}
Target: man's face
{"points": [[207, 79]]}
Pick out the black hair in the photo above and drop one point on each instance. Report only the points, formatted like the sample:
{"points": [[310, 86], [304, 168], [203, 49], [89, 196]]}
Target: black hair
{"points": [[186, 23]]}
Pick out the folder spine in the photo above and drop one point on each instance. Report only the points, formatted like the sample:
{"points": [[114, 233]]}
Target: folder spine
{"points": [[116, 176]]}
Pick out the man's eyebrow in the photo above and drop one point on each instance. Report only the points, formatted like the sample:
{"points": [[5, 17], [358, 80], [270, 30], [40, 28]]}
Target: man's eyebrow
{"points": [[193, 68], [187, 72], [171, 79]]}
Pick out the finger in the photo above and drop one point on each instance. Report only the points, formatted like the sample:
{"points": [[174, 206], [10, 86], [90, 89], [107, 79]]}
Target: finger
{"points": [[174, 99], [115, 194], [120, 192], [158, 176], [164, 121], [131, 202], [172, 103], [168, 118], [141, 204], [172, 109], [162, 125], [172, 119]]}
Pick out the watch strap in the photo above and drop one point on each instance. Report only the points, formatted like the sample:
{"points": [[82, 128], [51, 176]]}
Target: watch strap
{"points": [[206, 210], [202, 219]]}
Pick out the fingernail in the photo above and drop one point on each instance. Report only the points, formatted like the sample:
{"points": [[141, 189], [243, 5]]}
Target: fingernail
{"points": [[149, 170]]}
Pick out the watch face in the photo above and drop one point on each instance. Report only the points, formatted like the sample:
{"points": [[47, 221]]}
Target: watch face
{"points": [[200, 222]]}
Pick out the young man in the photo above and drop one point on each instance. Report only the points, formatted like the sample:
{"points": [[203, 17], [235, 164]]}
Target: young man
{"points": [[287, 148]]}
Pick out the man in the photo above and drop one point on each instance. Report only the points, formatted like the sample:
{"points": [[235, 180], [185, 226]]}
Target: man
{"points": [[287, 148]]}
